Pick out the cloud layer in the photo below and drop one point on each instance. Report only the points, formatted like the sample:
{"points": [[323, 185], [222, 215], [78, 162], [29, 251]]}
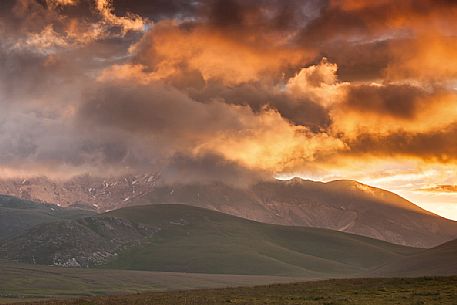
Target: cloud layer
{"points": [[215, 89]]}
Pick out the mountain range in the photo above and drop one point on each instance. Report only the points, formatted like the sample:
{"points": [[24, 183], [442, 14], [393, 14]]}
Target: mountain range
{"points": [[346, 206], [88, 192]]}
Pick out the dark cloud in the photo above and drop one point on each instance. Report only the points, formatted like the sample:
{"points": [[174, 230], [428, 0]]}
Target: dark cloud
{"points": [[401, 101], [154, 108], [360, 61], [269, 15], [435, 145], [157, 10], [357, 20], [297, 110]]}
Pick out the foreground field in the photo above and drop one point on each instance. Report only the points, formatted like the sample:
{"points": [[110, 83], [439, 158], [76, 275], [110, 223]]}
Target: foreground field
{"points": [[21, 282], [419, 291]]}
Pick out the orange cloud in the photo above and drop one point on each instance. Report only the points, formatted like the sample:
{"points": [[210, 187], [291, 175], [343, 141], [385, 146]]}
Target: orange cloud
{"points": [[351, 5], [429, 57], [318, 83], [268, 142], [261, 140], [431, 112], [56, 3], [441, 189], [168, 48], [130, 22]]}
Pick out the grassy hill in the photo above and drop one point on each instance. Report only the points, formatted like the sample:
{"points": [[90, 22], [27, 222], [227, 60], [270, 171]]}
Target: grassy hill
{"points": [[441, 260], [198, 240], [420, 291], [179, 238], [18, 215]]}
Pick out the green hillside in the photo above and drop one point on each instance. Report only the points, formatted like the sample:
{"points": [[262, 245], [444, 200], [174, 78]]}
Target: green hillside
{"points": [[180, 238], [441, 260], [191, 239], [18, 215]]}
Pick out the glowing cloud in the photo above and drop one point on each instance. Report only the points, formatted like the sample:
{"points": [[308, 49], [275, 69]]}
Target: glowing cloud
{"points": [[322, 89]]}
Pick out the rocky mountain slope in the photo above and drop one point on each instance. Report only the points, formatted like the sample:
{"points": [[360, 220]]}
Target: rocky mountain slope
{"points": [[179, 238], [84, 242], [93, 193], [346, 206]]}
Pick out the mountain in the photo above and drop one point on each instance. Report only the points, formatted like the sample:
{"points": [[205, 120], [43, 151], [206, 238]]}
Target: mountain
{"points": [[346, 206], [17, 215], [441, 260], [179, 238], [94, 193]]}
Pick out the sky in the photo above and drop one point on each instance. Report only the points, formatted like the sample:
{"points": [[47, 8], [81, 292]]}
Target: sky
{"points": [[233, 90]]}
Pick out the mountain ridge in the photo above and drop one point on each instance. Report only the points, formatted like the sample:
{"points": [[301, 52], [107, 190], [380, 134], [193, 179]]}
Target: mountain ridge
{"points": [[356, 208], [344, 205]]}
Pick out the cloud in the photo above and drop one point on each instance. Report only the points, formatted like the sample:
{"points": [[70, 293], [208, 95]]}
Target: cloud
{"points": [[47, 26], [432, 145], [425, 59], [318, 83], [298, 110], [395, 100], [213, 89], [209, 168], [168, 48], [441, 189], [130, 23], [380, 110], [261, 140], [358, 20]]}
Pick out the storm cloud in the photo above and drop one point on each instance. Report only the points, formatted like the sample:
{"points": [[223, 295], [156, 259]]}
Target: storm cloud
{"points": [[213, 89]]}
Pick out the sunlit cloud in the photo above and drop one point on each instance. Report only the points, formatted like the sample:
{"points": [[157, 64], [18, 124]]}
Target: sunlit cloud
{"points": [[326, 90]]}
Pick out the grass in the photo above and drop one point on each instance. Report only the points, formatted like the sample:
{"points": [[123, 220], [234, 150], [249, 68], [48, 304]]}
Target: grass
{"points": [[17, 215], [19, 282], [198, 240], [419, 291]]}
